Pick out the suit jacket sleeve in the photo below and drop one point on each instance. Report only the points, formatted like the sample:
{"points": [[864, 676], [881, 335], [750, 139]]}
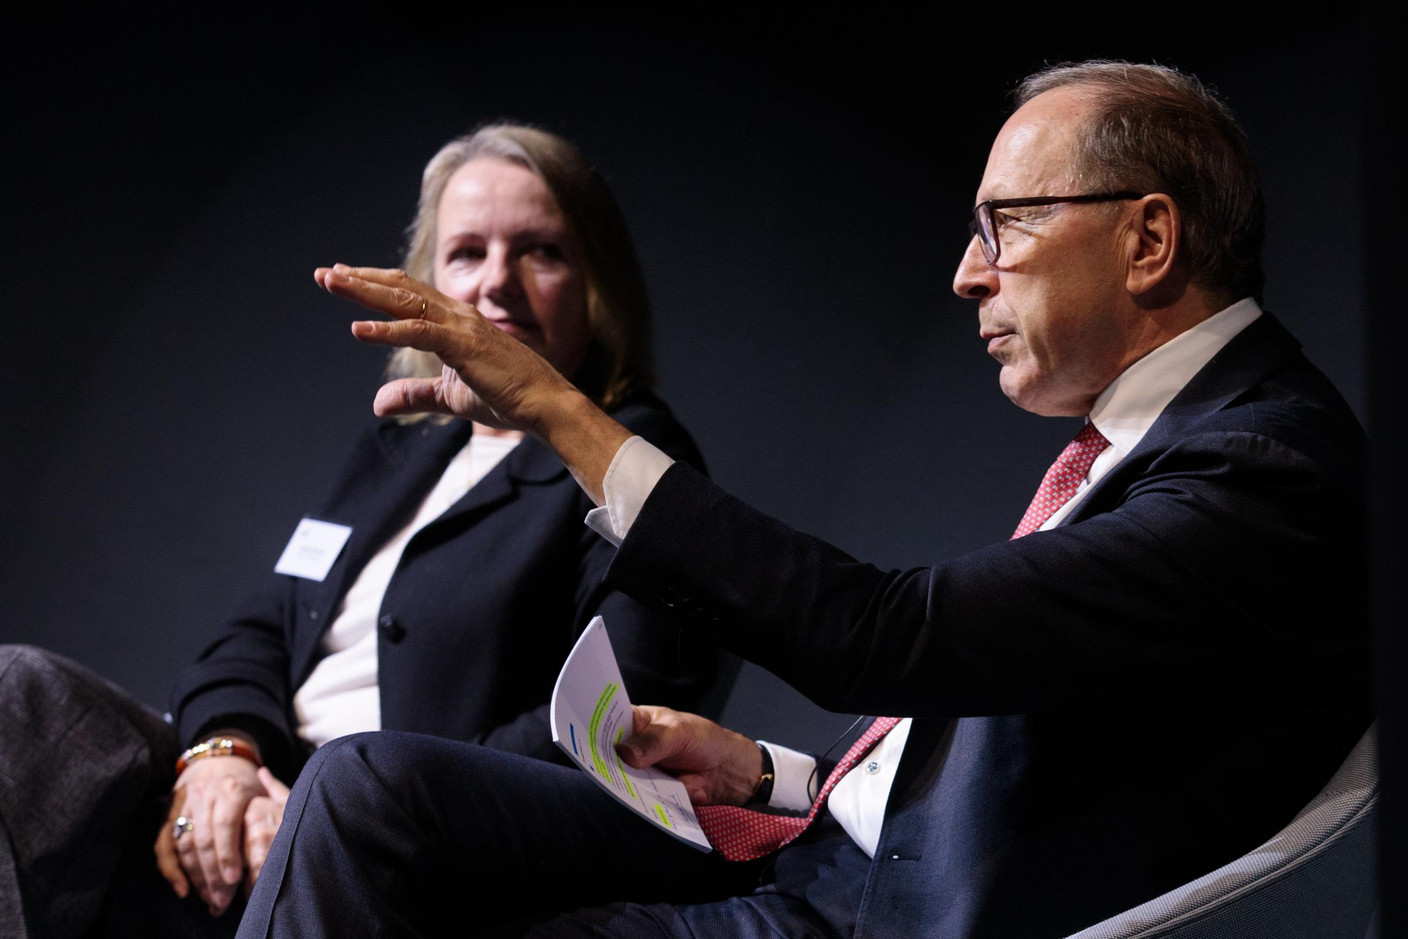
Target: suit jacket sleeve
{"points": [[661, 661], [1204, 557], [241, 682], [243, 679]]}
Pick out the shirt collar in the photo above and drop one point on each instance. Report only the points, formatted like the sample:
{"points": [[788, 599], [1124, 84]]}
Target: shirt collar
{"points": [[1130, 404]]}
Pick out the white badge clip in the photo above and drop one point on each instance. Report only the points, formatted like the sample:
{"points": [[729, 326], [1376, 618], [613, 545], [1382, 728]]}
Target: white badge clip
{"points": [[313, 549]]}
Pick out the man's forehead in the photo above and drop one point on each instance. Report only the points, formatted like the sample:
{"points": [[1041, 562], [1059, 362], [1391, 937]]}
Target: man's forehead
{"points": [[1033, 153]]}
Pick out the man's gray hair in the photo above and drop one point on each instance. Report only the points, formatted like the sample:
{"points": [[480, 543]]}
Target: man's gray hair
{"points": [[1157, 129]]}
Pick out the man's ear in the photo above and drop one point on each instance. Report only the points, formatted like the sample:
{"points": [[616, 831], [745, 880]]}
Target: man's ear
{"points": [[1155, 238]]}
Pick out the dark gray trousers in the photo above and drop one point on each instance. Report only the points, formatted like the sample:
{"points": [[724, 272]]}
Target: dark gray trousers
{"points": [[85, 772]]}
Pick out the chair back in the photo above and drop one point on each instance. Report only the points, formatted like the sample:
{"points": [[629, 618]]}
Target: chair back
{"points": [[1315, 879]]}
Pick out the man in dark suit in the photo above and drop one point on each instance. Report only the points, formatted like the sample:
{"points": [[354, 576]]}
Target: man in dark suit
{"points": [[1143, 684]]}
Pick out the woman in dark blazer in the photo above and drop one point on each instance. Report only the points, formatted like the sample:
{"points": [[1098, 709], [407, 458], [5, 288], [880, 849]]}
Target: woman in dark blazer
{"points": [[459, 576]]}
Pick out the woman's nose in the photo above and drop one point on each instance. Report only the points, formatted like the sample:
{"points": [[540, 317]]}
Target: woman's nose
{"points": [[498, 276]]}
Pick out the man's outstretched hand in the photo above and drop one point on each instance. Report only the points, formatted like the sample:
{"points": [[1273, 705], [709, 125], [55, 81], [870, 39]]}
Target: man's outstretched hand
{"points": [[488, 376]]}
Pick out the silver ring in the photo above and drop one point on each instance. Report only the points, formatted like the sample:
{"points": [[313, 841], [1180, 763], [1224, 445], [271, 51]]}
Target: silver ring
{"points": [[181, 826]]}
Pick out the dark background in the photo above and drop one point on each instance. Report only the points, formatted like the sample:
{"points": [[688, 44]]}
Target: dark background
{"points": [[179, 393]]}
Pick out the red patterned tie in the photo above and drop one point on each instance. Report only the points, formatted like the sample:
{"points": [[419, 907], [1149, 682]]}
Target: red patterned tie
{"points": [[741, 834], [1064, 477]]}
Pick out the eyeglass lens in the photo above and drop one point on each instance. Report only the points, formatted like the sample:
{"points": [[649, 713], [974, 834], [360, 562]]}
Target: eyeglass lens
{"points": [[984, 228]]}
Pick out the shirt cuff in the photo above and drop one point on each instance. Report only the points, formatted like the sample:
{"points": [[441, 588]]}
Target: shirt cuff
{"points": [[794, 782], [629, 480]]}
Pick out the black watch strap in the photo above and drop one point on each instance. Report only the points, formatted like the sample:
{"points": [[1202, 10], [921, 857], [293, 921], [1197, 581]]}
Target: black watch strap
{"points": [[762, 794]]}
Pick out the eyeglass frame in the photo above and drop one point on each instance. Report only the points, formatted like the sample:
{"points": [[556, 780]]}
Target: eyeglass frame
{"points": [[986, 209]]}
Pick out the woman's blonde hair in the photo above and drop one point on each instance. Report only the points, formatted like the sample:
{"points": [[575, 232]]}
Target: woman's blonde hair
{"points": [[618, 360]]}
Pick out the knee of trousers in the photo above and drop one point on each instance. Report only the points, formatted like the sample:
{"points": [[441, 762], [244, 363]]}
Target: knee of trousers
{"points": [[53, 702], [394, 779], [39, 680], [86, 768], [76, 731], [365, 788], [41, 674], [403, 763]]}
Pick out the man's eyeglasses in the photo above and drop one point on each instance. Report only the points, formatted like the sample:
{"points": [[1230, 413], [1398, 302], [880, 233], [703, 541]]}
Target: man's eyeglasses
{"points": [[984, 225]]}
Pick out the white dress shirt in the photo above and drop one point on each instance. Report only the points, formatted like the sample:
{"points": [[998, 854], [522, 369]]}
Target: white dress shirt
{"points": [[1123, 413]]}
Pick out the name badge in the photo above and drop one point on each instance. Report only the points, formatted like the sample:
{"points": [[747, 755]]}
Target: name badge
{"points": [[313, 549]]}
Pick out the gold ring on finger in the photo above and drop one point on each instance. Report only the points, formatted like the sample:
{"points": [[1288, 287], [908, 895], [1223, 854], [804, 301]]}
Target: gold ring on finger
{"points": [[424, 305]]}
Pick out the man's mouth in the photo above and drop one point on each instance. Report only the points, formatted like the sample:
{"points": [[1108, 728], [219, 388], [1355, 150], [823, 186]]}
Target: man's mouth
{"points": [[997, 339]]}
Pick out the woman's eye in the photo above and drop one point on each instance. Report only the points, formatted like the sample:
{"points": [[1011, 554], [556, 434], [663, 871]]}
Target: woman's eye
{"points": [[546, 252], [467, 253]]}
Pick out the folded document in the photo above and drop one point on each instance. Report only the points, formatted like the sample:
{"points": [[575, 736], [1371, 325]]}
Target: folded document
{"points": [[590, 712]]}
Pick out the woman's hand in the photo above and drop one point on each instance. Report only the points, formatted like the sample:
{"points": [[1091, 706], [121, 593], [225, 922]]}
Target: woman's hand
{"points": [[212, 794], [262, 818], [716, 765], [489, 376]]}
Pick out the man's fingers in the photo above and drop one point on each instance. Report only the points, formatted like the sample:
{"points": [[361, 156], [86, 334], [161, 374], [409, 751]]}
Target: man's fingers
{"points": [[656, 738], [697, 788], [388, 291], [450, 345], [393, 301], [410, 396], [421, 317], [488, 375], [715, 764], [391, 277]]}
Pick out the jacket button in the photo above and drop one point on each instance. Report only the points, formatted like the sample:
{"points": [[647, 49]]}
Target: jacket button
{"points": [[391, 629]]}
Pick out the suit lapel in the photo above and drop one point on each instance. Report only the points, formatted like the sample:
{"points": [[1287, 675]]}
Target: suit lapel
{"points": [[408, 461], [402, 466], [529, 463], [1251, 357], [414, 457]]}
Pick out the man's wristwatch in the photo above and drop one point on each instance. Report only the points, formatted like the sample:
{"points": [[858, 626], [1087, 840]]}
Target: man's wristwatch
{"points": [[762, 792]]}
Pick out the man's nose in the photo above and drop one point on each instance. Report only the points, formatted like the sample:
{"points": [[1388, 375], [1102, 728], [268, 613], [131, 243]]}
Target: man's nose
{"points": [[975, 277]]}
